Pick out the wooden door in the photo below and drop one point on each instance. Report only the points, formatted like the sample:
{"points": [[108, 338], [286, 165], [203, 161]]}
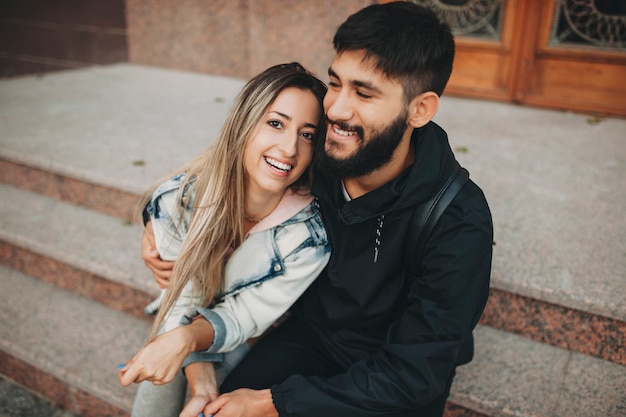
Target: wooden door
{"points": [[577, 57], [565, 54]]}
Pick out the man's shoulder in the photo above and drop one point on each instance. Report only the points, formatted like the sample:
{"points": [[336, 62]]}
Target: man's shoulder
{"points": [[469, 211], [471, 197]]}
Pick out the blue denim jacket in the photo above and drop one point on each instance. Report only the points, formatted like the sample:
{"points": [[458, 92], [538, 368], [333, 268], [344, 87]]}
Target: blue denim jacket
{"points": [[277, 261]]}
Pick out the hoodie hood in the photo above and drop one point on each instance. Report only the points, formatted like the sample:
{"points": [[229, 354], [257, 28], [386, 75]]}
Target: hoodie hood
{"points": [[433, 162]]}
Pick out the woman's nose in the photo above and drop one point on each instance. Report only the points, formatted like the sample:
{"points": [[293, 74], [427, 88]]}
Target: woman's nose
{"points": [[289, 145]]}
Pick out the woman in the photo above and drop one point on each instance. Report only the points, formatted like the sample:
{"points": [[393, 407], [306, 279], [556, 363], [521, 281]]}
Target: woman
{"points": [[245, 200]]}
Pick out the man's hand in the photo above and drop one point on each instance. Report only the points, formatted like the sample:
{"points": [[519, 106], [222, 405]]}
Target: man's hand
{"points": [[161, 270], [243, 403]]}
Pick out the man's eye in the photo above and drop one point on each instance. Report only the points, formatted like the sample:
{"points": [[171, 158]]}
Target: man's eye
{"points": [[333, 84], [363, 95], [277, 124]]}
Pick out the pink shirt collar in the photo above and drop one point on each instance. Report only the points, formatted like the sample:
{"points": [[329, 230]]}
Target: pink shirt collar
{"points": [[289, 205]]}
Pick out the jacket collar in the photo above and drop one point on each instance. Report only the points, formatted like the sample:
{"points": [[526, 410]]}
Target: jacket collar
{"points": [[434, 161]]}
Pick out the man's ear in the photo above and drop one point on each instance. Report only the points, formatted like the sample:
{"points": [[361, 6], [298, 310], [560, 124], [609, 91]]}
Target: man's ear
{"points": [[423, 108]]}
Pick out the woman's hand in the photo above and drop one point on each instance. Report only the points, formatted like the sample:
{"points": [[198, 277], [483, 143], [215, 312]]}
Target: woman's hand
{"points": [[162, 358], [159, 360], [203, 385]]}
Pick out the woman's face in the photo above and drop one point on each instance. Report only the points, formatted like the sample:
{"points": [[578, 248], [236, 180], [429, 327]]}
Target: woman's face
{"points": [[281, 146]]}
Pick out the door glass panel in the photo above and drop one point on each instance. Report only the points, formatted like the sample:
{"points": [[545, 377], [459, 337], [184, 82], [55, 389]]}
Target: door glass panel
{"points": [[470, 18], [590, 23]]}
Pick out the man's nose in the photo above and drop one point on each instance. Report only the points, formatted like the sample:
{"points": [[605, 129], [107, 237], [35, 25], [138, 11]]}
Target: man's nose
{"points": [[338, 106]]}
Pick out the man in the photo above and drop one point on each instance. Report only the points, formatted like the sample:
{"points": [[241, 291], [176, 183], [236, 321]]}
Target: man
{"points": [[372, 337]]}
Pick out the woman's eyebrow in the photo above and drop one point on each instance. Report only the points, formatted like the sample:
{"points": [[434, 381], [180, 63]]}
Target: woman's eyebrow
{"points": [[312, 125], [286, 116]]}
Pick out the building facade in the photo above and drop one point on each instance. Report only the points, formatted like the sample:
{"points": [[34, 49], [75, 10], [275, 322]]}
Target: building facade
{"points": [[563, 54]]}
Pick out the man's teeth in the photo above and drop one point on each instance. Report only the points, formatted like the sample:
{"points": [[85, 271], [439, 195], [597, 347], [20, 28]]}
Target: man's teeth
{"points": [[342, 132], [278, 164]]}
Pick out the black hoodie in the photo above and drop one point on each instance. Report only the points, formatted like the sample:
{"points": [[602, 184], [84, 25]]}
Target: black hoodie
{"points": [[400, 337]]}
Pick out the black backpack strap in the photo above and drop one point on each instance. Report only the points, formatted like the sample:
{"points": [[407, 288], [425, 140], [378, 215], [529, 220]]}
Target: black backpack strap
{"points": [[427, 214]]}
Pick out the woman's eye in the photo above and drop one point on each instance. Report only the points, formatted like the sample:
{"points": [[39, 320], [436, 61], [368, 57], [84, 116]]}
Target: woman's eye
{"points": [[309, 135], [277, 124]]}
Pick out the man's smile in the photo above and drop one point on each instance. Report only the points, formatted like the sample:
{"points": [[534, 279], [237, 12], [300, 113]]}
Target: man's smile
{"points": [[342, 132]]}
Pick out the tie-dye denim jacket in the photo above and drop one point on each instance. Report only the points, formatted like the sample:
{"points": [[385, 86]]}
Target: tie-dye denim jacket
{"points": [[278, 260]]}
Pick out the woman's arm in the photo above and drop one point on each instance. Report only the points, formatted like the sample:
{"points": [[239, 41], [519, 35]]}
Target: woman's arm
{"points": [[253, 309], [234, 320], [203, 385], [162, 358]]}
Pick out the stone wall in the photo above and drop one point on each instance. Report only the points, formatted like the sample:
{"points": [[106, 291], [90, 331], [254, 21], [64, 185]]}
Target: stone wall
{"points": [[38, 36], [236, 38]]}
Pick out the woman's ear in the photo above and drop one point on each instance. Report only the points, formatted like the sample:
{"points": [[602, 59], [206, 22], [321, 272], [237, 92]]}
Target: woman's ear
{"points": [[423, 108]]}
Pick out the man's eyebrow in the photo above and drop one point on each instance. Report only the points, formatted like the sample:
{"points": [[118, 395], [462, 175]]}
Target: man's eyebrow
{"points": [[367, 85], [311, 125], [363, 84]]}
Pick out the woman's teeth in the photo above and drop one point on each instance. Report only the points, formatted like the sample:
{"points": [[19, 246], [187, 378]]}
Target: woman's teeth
{"points": [[278, 165]]}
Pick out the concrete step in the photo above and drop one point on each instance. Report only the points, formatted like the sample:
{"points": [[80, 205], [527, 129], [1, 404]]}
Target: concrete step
{"points": [[98, 137], [559, 234], [17, 401], [80, 192], [512, 376], [93, 254], [66, 347], [117, 268]]}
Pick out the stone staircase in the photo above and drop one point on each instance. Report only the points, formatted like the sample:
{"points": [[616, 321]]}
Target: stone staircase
{"points": [[78, 147]]}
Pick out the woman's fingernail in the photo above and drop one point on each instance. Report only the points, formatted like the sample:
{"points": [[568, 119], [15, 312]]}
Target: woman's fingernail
{"points": [[121, 366], [201, 415]]}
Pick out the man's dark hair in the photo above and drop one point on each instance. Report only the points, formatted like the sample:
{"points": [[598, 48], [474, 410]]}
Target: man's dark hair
{"points": [[405, 41]]}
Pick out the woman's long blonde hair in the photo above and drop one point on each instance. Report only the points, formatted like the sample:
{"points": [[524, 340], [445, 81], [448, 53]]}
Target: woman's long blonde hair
{"points": [[216, 179]]}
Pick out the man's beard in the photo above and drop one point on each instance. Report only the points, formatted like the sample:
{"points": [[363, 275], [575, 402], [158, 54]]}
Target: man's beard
{"points": [[369, 157]]}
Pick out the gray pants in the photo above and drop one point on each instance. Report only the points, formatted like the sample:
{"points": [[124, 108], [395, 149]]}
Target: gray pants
{"points": [[168, 400]]}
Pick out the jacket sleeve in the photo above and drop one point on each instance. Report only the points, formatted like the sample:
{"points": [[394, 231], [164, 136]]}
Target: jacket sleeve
{"points": [[248, 313], [424, 344], [164, 211]]}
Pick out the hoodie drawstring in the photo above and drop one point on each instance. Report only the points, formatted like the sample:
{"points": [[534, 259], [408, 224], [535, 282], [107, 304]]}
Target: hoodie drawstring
{"points": [[377, 238]]}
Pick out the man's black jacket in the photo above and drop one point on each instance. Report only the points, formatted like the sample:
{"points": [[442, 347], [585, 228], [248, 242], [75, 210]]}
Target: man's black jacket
{"points": [[400, 337]]}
